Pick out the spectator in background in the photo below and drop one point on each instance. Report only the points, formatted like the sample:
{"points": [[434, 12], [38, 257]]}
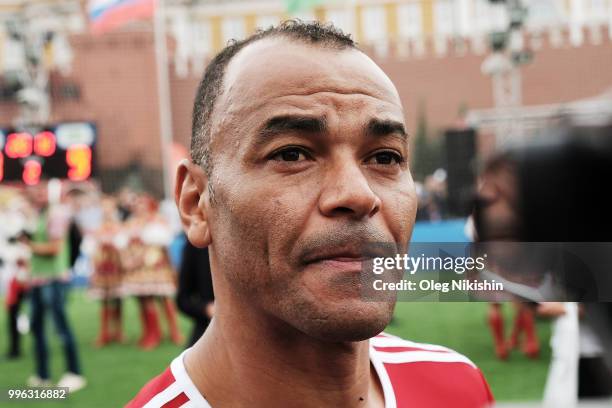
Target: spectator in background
{"points": [[436, 185], [432, 196], [49, 277], [195, 296], [74, 200], [107, 274], [16, 293], [127, 198], [14, 259], [149, 274]]}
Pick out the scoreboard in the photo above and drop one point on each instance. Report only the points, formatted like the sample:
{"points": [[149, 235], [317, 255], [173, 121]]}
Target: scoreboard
{"points": [[64, 151]]}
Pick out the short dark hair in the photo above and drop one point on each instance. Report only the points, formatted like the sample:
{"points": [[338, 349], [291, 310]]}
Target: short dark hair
{"points": [[322, 34]]}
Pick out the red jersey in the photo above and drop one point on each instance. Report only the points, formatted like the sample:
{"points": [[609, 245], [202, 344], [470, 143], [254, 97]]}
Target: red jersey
{"points": [[412, 375]]}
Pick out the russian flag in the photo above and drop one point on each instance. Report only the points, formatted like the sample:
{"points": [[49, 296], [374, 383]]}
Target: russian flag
{"points": [[106, 15]]}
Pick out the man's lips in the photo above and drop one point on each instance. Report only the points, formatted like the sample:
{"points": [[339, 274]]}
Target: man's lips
{"points": [[337, 256], [343, 255], [339, 260]]}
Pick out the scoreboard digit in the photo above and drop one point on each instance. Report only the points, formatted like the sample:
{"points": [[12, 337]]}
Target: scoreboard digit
{"points": [[44, 144], [18, 145], [31, 172], [79, 159]]}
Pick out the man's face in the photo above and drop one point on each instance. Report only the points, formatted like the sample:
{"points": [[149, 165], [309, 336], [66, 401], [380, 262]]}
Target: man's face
{"points": [[309, 157]]}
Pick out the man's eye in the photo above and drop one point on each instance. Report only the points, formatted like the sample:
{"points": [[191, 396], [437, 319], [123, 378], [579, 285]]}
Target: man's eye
{"points": [[385, 158], [291, 154]]}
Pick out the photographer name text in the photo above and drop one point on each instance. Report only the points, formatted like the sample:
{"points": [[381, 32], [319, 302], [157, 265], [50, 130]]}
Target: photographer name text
{"points": [[427, 285]]}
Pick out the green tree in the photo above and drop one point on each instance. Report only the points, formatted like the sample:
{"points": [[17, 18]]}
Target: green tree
{"points": [[427, 152]]}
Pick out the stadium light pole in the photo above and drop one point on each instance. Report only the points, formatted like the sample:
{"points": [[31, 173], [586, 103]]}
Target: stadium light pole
{"points": [[504, 67]]}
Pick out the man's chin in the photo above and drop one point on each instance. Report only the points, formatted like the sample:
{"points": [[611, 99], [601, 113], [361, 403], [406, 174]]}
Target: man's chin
{"points": [[356, 323]]}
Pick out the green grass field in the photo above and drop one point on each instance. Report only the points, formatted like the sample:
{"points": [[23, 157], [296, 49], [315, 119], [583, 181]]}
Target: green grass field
{"points": [[117, 372]]}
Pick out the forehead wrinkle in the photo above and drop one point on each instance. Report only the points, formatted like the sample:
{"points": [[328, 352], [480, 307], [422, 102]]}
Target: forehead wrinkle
{"points": [[369, 91], [318, 106], [348, 93]]}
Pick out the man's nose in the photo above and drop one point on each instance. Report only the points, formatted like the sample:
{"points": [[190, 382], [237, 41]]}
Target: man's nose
{"points": [[346, 192]]}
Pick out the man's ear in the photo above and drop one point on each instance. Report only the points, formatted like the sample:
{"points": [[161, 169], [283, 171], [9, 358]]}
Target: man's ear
{"points": [[189, 194]]}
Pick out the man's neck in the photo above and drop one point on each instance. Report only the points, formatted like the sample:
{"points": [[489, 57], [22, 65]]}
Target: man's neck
{"points": [[243, 361]]}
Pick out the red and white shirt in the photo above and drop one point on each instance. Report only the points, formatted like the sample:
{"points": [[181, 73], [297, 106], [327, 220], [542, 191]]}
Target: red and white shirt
{"points": [[412, 375]]}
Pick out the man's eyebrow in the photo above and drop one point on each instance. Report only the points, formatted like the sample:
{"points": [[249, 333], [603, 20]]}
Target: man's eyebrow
{"points": [[378, 127], [292, 123]]}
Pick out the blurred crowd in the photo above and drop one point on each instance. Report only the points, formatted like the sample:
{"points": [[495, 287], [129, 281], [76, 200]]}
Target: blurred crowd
{"points": [[125, 245]]}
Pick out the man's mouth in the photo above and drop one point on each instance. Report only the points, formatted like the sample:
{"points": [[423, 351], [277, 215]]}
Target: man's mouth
{"points": [[341, 259], [347, 253]]}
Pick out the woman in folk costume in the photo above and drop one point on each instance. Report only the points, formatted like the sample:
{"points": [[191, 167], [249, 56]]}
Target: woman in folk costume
{"points": [[149, 273], [106, 280]]}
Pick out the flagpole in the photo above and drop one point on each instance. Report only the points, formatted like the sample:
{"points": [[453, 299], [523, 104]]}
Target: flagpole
{"points": [[163, 94]]}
